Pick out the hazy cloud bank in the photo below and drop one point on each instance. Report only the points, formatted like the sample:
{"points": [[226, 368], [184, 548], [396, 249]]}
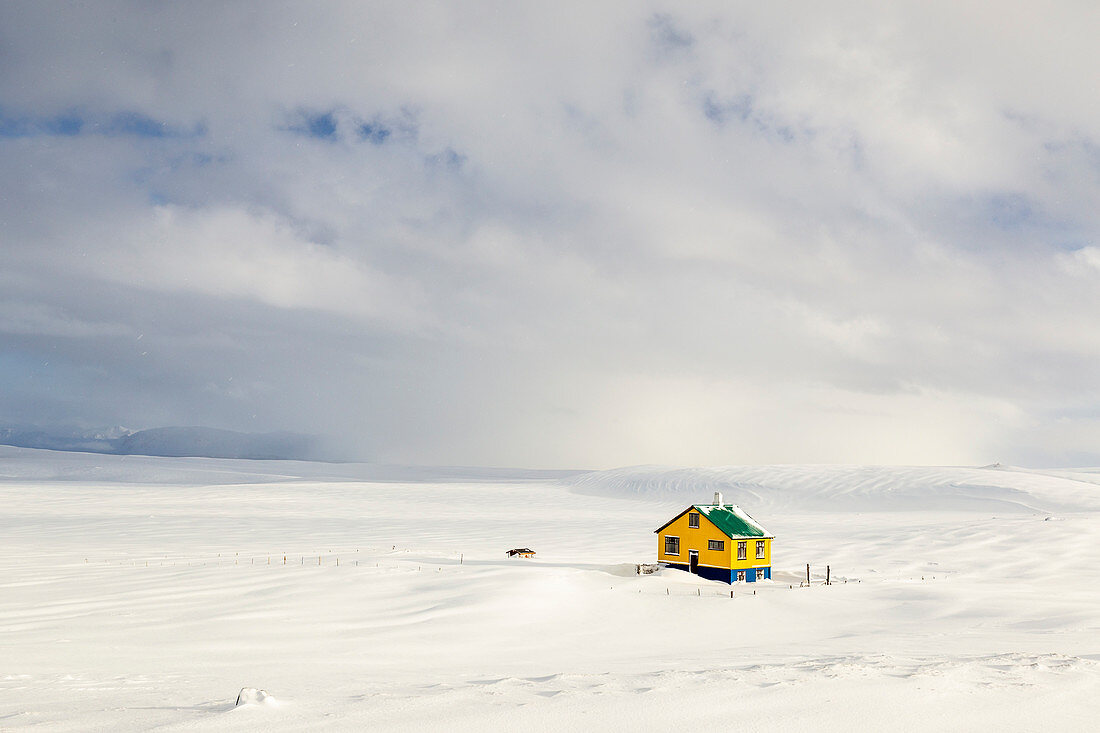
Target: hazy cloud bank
{"points": [[565, 235]]}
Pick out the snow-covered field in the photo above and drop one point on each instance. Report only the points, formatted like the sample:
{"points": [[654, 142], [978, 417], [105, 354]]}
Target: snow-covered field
{"points": [[145, 593]]}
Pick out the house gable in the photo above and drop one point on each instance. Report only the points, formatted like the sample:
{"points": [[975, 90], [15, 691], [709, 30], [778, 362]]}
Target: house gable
{"points": [[730, 520]]}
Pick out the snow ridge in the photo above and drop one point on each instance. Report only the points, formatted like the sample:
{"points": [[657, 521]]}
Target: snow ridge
{"points": [[855, 488]]}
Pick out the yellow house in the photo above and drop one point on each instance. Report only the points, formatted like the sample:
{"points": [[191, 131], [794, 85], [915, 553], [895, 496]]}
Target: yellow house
{"points": [[716, 541]]}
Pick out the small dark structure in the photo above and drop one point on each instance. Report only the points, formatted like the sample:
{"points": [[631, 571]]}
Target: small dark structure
{"points": [[522, 552]]}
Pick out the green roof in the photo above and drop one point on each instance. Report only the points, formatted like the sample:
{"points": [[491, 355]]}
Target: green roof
{"points": [[732, 520]]}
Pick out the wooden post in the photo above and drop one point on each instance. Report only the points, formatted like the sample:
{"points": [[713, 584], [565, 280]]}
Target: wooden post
{"points": [[807, 574], [828, 581]]}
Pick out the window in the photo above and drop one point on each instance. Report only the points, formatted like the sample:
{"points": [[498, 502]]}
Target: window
{"points": [[741, 575], [672, 545], [718, 545], [742, 550], [693, 520], [760, 549]]}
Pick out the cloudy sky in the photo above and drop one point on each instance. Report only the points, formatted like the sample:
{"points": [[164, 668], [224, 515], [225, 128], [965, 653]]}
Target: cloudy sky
{"points": [[559, 234]]}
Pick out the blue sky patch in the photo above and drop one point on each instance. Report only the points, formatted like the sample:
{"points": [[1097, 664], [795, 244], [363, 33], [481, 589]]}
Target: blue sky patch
{"points": [[136, 124], [743, 109], [374, 132], [73, 123], [317, 125], [65, 124], [666, 36], [739, 109], [447, 158], [1010, 210], [339, 123]]}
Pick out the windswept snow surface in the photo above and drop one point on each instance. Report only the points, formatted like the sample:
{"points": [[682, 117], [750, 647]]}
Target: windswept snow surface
{"points": [[856, 488], [964, 599]]}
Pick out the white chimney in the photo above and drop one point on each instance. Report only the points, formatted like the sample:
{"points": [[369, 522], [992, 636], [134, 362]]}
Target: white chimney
{"points": [[718, 498]]}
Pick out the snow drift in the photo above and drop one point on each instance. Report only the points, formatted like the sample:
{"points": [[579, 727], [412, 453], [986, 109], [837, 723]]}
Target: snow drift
{"points": [[855, 488]]}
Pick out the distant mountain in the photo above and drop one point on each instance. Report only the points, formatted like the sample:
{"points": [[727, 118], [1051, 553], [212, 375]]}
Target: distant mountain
{"points": [[212, 443], [97, 440], [169, 441]]}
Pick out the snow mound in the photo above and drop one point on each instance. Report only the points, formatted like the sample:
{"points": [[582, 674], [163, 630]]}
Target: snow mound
{"points": [[254, 696], [854, 488]]}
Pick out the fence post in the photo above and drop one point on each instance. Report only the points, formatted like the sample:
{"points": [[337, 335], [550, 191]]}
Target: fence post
{"points": [[807, 574]]}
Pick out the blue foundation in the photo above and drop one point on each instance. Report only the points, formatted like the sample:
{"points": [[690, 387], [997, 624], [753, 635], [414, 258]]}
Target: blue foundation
{"points": [[726, 576]]}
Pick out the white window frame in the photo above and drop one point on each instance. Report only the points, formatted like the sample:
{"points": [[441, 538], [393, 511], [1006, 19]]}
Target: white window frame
{"points": [[693, 520], [740, 576], [677, 539], [716, 545], [743, 550], [760, 549]]}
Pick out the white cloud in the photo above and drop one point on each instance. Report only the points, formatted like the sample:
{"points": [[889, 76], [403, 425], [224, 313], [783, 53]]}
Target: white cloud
{"points": [[231, 253], [866, 236]]}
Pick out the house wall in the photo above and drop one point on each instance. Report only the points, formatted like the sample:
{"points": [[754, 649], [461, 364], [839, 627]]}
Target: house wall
{"points": [[750, 561], [694, 539]]}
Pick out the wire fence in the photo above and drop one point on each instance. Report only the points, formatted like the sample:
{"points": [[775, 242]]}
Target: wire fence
{"points": [[396, 559]]}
